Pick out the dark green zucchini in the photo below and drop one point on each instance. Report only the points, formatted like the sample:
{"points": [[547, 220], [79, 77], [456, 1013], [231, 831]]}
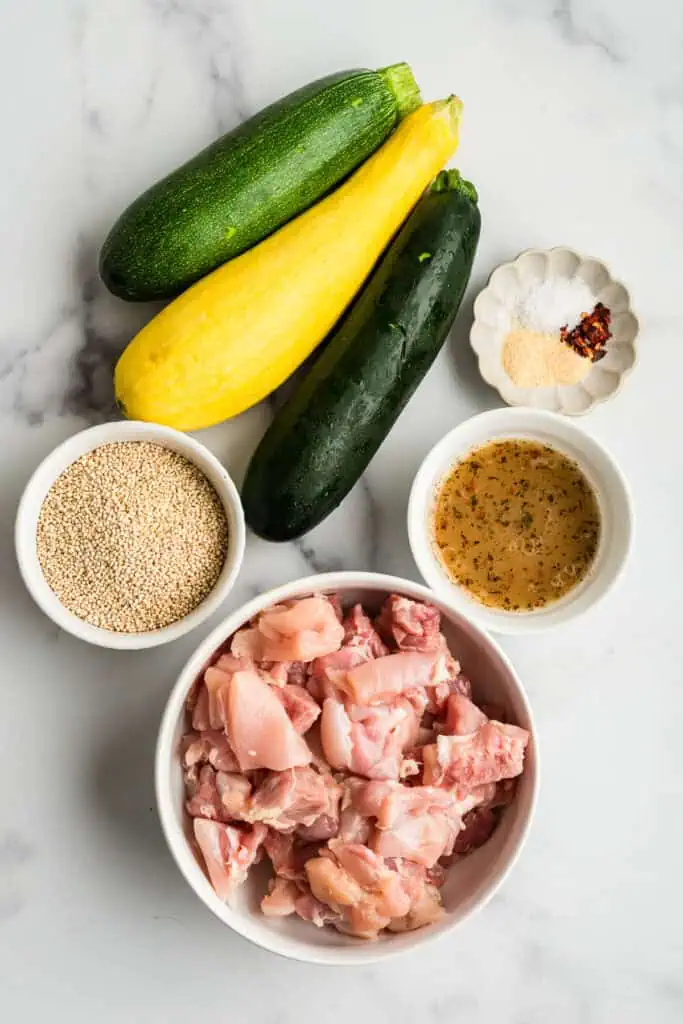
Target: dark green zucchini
{"points": [[324, 436], [250, 181]]}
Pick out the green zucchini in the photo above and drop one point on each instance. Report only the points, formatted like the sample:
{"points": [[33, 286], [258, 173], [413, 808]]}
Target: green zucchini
{"points": [[324, 436], [250, 181]]}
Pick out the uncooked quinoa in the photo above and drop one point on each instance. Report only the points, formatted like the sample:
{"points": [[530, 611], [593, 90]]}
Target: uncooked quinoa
{"points": [[132, 537]]}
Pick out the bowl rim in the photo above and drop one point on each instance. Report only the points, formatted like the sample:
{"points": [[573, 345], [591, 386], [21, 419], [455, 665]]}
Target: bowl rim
{"points": [[176, 839], [523, 417], [496, 383], [55, 463]]}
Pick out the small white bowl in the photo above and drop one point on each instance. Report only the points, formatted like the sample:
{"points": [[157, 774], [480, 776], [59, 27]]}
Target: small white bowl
{"points": [[603, 474], [25, 533], [469, 884], [492, 320]]}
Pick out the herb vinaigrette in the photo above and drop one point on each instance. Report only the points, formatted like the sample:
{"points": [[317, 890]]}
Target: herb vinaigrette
{"points": [[517, 524]]}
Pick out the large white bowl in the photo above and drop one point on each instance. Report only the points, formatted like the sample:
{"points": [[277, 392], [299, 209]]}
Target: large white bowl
{"points": [[603, 474], [470, 883], [25, 533]]}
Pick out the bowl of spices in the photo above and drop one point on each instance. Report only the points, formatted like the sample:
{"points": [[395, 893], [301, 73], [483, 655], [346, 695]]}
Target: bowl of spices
{"points": [[554, 330], [129, 535], [520, 519]]}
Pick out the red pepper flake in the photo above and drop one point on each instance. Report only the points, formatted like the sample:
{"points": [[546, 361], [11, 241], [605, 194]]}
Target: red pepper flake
{"points": [[590, 336]]}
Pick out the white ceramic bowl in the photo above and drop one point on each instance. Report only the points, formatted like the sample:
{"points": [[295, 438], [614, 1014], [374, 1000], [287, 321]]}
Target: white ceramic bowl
{"points": [[492, 310], [603, 474], [43, 479], [470, 883]]}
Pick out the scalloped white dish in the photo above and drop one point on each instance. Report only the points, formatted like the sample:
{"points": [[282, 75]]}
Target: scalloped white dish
{"points": [[493, 318]]}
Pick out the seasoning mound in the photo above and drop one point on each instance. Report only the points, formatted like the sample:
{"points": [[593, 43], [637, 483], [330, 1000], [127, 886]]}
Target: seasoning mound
{"points": [[132, 537], [539, 349], [535, 360]]}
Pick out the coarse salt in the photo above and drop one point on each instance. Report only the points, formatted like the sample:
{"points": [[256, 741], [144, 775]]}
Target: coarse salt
{"points": [[549, 305]]}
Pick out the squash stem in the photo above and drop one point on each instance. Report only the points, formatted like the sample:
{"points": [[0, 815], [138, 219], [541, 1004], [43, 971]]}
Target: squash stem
{"points": [[450, 180], [401, 82]]}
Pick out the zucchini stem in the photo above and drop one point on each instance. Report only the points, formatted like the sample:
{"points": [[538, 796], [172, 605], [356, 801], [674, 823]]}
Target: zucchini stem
{"points": [[401, 82], [451, 180]]}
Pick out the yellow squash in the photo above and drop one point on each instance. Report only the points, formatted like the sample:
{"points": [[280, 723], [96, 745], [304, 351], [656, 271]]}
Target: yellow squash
{"points": [[236, 335]]}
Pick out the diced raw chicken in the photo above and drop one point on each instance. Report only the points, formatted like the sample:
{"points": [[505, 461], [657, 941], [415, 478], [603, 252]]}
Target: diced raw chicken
{"points": [[301, 709], [359, 887], [295, 797], [228, 852], [329, 674], [495, 751], [410, 625], [216, 679], [331, 884], [211, 746], [310, 909], [384, 678], [326, 825], [361, 643], [359, 633], [462, 716], [367, 741], [466, 801], [297, 631], [421, 838], [363, 851], [288, 859], [427, 909], [204, 800], [281, 898], [234, 791], [259, 728]]}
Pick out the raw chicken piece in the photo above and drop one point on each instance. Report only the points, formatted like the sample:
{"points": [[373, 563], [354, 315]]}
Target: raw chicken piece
{"points": [[361, 644], [235, 792], [310, 909], [295, 797], [281, 898], [301, 709], [326, 825], [204, 800], [331, 884], [384, 678], [417, 801], [367, 741], [297, 631], [207, 713], [260, 731], [410, 625], [354, 825], [328, 674], [211, 746], [421, 838], [228, 853], [288, 859], [359, 887], [359, 633], [462, 716], [465, 801], [427, 909], [370, 871], [495, 751], [455, 683]]}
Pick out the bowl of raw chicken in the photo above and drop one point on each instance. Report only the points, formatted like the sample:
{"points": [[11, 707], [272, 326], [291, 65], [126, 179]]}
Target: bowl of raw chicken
{"points": [[346, 767]]}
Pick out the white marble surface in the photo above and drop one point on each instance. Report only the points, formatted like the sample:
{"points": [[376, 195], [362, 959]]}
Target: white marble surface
{"points": [[573, 134]]}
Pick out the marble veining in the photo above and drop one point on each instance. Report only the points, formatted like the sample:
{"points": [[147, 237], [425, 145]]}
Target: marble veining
{"points": [[573, 134]]}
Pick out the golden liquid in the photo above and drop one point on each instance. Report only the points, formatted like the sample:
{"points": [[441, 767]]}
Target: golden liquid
{"points": [[517, 524]]}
